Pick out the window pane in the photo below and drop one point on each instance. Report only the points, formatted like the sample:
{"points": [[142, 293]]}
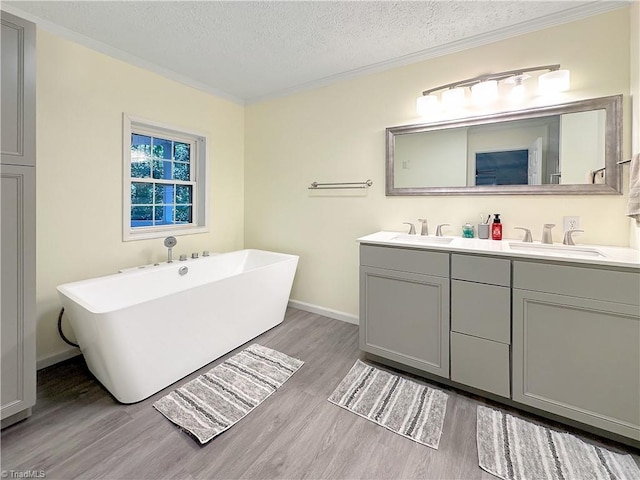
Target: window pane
{"points": [[141, 193], [163, 215], [162, 169], [161, 148], [140, 169], [140, 147], [183, 214], [141, 216], [181, 171], [183, 194], [181, 152], [163, 194]]}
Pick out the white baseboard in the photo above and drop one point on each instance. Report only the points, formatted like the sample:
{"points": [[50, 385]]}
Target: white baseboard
{"points": [[326, 312], [57, 358]]}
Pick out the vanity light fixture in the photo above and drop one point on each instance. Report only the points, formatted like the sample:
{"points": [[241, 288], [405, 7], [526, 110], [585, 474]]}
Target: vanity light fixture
{"points": [[484, 89]]}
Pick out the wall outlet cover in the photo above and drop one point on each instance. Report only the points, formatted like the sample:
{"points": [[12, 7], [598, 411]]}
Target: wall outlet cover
{"points": [[571, 223]]}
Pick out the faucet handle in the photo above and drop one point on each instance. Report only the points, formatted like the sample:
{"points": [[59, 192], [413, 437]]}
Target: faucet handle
{"points": [[194, 255], [439, 229], [568, 237], [412, 229], [183, 257], [205, 253], [527, 234]]}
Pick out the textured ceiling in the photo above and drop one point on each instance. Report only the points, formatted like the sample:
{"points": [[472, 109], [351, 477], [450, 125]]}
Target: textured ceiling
{"points": [[248, 51]]}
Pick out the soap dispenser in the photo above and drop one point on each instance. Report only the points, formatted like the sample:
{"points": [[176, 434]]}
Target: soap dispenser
{"points": [[496, 227]]}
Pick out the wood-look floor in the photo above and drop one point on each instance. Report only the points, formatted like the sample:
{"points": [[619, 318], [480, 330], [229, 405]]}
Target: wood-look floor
{"points": [[78, 430]]}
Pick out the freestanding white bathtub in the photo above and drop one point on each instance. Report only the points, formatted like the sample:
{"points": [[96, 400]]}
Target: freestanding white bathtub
{"points": [[142, 330]]}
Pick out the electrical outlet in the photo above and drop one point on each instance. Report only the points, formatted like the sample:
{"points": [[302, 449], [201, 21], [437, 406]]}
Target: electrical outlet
{"points": [[571, 223]]}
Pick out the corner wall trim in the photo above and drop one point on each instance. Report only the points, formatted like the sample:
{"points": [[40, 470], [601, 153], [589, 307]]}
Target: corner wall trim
{"points": [[57, 358], [326, 312]]}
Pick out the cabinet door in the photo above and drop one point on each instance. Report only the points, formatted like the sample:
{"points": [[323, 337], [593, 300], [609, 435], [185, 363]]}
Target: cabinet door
{"points": [[404, 317], [17, 263], [18, 91], [578, 358], [480, 363]]}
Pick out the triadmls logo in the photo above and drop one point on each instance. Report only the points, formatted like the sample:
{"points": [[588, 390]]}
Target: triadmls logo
{"points": [[24, 474]]}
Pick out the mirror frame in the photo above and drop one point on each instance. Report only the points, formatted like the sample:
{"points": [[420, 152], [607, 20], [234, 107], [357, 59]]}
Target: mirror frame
{"points": [[613, 151]]}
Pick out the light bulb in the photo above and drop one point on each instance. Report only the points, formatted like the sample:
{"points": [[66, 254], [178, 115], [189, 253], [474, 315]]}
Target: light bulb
{"points": [[485, 92]]}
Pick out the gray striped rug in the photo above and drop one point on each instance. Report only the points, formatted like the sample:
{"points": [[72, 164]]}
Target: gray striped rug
{"points": [[514, 449], [403, 406], [215, 401]]}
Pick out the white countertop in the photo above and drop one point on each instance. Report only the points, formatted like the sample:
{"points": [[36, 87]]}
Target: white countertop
{"points": [[588, 254]]}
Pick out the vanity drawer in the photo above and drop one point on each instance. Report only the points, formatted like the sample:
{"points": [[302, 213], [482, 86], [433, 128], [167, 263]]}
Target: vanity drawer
{"points": [[481, 310], [480, 363], [494, 271], [406, 260], [586, 282]]}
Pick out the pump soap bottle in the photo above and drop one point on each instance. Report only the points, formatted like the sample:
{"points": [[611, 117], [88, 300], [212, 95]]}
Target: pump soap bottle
{"points": [[496, 227]]}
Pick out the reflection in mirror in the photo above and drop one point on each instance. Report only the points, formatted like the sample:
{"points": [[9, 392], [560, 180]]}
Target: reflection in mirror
{"points": [[571, 148]]}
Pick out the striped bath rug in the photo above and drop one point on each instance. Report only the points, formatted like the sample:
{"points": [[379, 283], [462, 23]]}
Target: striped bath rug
{"points": [[215, 401], [514, 449], [403, 406]]}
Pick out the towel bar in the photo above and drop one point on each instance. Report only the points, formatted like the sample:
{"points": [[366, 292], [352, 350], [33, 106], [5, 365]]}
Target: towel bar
{"points": [[339, 185]]}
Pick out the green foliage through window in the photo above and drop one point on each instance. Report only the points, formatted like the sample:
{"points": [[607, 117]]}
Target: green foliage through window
{"points": [[162, 188]]}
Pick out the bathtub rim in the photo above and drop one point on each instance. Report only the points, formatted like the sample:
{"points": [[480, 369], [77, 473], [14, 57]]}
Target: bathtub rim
{"points": [[63, 289]]}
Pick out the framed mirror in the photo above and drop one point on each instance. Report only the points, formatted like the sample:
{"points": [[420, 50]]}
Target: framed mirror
{"points": [[573, 148]]}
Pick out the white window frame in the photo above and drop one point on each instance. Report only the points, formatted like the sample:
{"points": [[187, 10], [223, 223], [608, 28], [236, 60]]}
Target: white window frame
{"points": [[198, 174]]}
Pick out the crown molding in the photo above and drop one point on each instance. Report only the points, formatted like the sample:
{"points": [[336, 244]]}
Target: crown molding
{"points": [[567, 16], [119, 54]]}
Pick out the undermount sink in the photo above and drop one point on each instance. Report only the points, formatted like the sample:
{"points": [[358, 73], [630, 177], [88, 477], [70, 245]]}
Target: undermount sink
{"points": [[422, 239], [566, 250]]}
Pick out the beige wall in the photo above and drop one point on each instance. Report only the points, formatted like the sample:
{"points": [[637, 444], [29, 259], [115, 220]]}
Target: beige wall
{"points": [[81, 96], [336, 133]]}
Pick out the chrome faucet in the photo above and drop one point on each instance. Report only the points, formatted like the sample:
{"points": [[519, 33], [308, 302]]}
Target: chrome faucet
{"points": [[412, 229], [439, 229], [170, 242], [568, 237], [424, 229], [527, 234], [546, 233]]}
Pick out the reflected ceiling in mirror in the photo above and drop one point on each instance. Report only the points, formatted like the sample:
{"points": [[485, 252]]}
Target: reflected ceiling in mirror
{"points": [[571, 148]]}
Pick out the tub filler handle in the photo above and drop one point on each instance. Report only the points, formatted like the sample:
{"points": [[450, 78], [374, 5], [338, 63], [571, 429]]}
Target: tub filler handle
{"points": [[183, 270]]}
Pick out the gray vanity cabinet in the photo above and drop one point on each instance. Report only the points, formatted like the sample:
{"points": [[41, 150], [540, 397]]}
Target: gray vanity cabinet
{"points": [[481, 322], [576, 343], [17, 172], [404, 306]]}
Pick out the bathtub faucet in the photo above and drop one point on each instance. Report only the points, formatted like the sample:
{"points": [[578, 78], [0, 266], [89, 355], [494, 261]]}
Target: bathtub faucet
{"points": [[170, 242]]}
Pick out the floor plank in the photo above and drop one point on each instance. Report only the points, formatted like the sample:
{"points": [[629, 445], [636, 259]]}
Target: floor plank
{"points": [[78, 430]]}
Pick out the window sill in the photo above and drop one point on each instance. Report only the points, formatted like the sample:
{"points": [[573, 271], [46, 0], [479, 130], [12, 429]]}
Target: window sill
{"points": [[129, 235]]}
